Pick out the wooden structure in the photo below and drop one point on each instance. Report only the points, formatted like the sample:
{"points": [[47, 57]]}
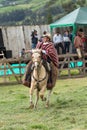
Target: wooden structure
{"points": [[68, 68], [15, 38], [13, 78]]}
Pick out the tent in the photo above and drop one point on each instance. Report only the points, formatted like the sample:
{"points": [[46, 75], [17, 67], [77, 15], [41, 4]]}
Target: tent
{"points": [[75, 18]]}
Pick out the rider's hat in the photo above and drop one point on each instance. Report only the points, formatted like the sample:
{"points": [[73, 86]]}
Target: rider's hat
{"points": [[48, 35]]}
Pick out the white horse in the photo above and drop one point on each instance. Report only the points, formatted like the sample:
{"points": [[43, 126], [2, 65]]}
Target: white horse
{"points": [[39, 78]]}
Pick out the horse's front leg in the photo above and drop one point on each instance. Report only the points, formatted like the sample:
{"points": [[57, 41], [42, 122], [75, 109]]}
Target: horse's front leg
{"points": [[37, 98], [42, 91], [48, 98], [31, 97]]}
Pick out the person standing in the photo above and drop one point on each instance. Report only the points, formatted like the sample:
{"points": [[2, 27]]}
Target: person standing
{"points": [[84, 40], [67, 41], [78, 43], [58, 42], [34, 39], [23, 53]]}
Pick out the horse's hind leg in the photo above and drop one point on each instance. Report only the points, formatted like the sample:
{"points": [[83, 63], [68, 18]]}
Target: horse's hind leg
{"points": [[48, 98], [37, 98]]}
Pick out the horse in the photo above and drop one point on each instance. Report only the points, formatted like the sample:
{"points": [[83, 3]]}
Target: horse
{"points": [[39, 78]]}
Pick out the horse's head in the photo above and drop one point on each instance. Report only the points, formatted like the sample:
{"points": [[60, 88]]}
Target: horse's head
{"points": [[36, 57]]}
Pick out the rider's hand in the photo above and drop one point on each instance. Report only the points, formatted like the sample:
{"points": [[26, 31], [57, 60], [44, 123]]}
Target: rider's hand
{"points": [[44, 52]]}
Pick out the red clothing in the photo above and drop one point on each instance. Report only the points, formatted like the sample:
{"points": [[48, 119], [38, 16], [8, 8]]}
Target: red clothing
{"points": [[83, 39], [50, 51]]}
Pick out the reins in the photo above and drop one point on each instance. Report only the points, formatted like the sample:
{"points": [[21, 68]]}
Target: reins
{"points": [[40, 79]]}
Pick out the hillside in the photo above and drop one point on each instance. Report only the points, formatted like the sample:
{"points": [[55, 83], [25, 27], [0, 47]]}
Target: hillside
{"points": [[32, 12]]}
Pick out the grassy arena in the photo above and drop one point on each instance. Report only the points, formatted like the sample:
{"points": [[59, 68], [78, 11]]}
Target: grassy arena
{"points": [[68, 110]]}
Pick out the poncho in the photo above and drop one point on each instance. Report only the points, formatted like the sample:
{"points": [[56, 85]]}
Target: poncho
{"points": [[50, 51]]}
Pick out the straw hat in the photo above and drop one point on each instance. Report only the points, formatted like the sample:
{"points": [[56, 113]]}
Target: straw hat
{"points": [[48, 35]]}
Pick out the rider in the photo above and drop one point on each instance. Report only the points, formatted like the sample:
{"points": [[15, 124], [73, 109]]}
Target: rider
{"points": [[50, 56], [48, 48]]}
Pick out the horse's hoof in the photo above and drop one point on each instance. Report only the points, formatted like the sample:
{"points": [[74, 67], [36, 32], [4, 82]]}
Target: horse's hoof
{"points": [[47, 105], [31, 106], [44, 99], [35, 107]]}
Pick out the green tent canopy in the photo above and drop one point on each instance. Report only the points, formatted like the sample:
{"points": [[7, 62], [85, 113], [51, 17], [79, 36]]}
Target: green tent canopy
{"points": [[75, 18]]}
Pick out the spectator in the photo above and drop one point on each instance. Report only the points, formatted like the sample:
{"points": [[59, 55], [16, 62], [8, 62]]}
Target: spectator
{"points": [[67, 41], [34, 39], [84, 40], [58, 39], [71, 34], [23, 53], [79, 44]]}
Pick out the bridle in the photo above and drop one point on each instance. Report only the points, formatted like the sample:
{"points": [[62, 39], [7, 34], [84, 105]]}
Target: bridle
{"points": [[40, 79]]}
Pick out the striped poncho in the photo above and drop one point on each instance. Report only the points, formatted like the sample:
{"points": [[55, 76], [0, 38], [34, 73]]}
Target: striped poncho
{"points": [[50, 51]]}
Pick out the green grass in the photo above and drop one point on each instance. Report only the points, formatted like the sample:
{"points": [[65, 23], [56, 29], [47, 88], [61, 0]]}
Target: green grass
{"points": [[72, 72], [67, 111], [12, 8], [33, 5]]}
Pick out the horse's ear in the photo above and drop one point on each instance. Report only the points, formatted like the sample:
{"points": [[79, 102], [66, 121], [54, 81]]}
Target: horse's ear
{"points": [[34, 50]]}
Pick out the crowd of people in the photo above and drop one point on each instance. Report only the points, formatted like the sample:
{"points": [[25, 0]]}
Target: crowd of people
{"points": [[59, 41], [62, 42]]}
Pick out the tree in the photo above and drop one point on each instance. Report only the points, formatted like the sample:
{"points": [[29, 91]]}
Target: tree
{"points": [[49, 18]]}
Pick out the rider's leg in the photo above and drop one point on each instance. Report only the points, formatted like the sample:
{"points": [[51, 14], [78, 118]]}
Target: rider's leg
{"points": [[27, 76]]}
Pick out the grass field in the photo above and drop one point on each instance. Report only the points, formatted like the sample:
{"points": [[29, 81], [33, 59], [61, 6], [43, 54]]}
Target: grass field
{"points": [[33, 5], [67, 111]]}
